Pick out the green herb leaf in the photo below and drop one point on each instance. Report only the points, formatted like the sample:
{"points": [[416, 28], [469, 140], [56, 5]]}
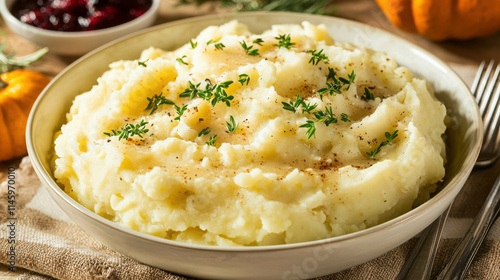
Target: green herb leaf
{"points": [[193, 44], [180, 111], [344, 117], [191, 91], [258, 41], [211, 141], [368, 95], [390, 137], [311, 129], [156, 101], [129, 130], [181, 60], [142, 63], [204, 131], [293, 105], [243, 78], [231, 125], [317, 56], [284, 41], [249, 49]]}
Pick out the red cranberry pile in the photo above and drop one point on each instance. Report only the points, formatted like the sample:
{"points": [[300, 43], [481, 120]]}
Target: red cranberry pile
{"points": [[78, 15]]}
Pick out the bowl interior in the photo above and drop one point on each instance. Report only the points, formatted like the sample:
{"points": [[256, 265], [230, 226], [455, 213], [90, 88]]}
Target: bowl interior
{"points": [[463, 134]]}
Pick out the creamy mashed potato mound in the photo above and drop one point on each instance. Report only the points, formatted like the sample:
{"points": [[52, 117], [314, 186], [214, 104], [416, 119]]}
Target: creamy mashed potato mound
{"points": [[255, 143]]}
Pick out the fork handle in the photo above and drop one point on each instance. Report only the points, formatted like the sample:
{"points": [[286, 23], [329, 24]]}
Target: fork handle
{"points": [[457, 265], [419, 263]]}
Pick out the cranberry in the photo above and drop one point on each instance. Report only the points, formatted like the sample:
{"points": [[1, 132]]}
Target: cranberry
{"points": [[78, 15]]}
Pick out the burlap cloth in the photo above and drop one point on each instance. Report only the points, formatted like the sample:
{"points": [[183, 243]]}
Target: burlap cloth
{"points": [[49, 245]]}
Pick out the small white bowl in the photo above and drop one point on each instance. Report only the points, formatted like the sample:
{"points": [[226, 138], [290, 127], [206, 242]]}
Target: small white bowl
{"points": [[291, 261], [78, 42]]}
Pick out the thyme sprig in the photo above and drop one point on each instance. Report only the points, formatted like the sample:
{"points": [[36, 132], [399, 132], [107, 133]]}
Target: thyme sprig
{"points": [[129, 130], [249, 49], [243, 78], [317, 56], [211, 140], [367, 95], [284, 41], [311, 128], [389, 136], [181, 60], [336, 86], [213, 92], [156, 101], [293, 105], [232, 125]]}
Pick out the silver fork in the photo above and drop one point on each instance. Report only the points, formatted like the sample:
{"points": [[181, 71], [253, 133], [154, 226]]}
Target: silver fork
{"points": [[420, 261]]}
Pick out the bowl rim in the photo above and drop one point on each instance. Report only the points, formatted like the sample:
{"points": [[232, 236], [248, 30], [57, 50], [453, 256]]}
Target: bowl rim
{"points": [[10, 18], [455, 182]]}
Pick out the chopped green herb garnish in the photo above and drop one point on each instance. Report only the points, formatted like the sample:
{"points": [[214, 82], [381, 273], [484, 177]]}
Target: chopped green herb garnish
{"points": [[249, 49], [308, 107], [326, 116], [219, 46], [258, 41], [351, 77], [293, 106], [390, 137], [129, 130], [142, 63], [180, 111], [311, 129], [191, 91], [181, 60], [156, 101], [243, 78], [204, 131], [344, 117], [331, 88], [212, 140], [317, 56], [368, 95], [193, 44], [284, 41], [231, 124]]}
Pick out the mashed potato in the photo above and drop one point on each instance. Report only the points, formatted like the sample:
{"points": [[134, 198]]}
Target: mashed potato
{"points": [[253, 139]]}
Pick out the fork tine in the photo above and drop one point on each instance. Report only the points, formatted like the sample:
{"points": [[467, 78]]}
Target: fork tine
{"points": [[477, 79], [487, 95]]}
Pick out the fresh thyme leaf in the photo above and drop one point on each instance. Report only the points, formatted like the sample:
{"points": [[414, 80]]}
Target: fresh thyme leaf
{"points": [[181, 60], [332, 75], [344, 117], [219, 46], [351, 77], [249, 49], [317, 56], [331, 88], [129, 130], [311, 129], [368, 95], [326, 116], [212, 140], [231, 125], [204, 131], [180, 111], [390, 137], [191, 91], [156, 101], [258, 41], [210, 42], [308, 107], [293, 106], [142, 63], [284, 41], [243, 78], [193, 44]]}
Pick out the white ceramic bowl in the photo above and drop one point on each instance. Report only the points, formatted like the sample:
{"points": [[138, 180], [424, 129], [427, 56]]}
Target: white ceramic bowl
{"points": [[75, 43], [294, 261]]}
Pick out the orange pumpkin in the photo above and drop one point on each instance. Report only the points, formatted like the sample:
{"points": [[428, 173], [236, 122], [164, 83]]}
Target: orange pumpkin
{"points": [[444, 19], [21, 88]]}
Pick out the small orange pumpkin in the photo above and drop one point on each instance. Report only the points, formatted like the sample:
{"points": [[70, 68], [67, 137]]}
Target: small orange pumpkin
{"points": [[444, 19], [21, 88]]}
